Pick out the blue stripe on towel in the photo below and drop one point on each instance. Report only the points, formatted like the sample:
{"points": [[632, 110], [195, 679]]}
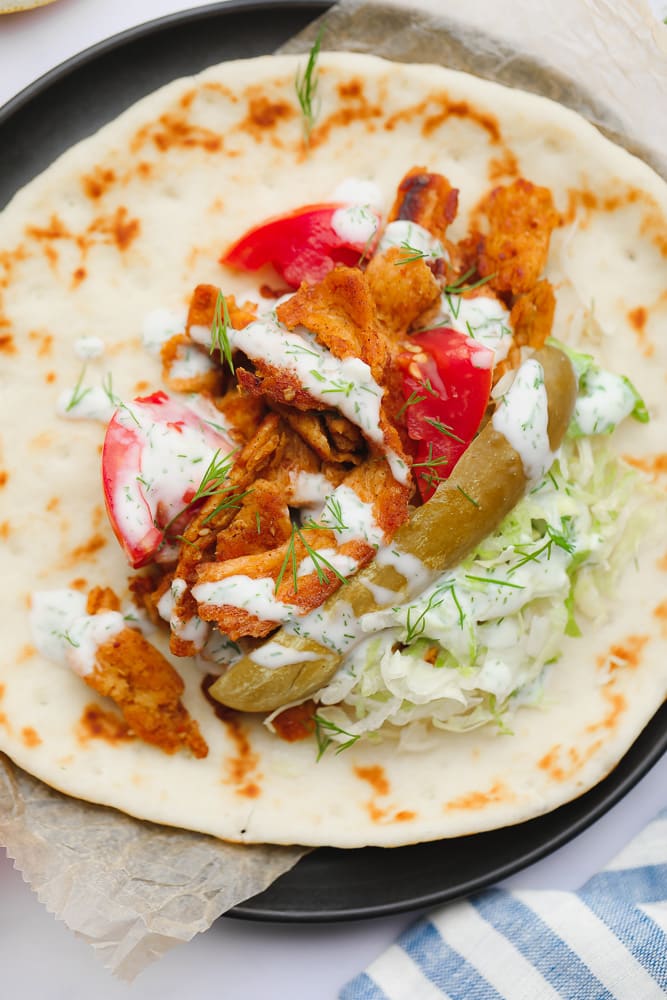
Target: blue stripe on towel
{"points": [[445, 967], [543, 948]]}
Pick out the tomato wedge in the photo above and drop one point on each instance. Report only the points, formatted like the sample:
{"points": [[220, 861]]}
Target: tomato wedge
{"points": [[446, 387], [304, 245], [156, 452]]}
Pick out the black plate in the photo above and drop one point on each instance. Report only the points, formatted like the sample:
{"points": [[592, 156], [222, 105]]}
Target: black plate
{"points": [[48, 117]]}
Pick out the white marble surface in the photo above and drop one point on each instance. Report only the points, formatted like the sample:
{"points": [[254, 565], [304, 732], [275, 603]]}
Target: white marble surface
{"points": [[39, 957]]}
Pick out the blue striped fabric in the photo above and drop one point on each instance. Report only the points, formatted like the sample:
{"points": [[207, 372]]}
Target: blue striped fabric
{"points": [[608, 941]]}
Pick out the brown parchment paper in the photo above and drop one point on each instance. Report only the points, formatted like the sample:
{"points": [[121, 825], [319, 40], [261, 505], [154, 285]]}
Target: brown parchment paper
{"points": [[606, 59], [133, 889]]}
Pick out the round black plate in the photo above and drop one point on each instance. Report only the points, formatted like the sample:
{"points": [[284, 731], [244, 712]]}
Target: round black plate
{"points": [[69, 103]]}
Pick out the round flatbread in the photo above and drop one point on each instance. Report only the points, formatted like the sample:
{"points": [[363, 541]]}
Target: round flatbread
{"points": [[132, 219]]}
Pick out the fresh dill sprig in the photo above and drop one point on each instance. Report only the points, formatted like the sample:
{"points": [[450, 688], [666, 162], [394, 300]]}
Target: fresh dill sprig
{"points": [[431, 461], [320, 563], [413, 254], [412, 400], [211, 483], [557, 538], [443, 429], [322, 726], [78, 393], [498, 583], [232, 501], [459, 287], [107, 386], [306, 84], [220, 331], [214, 477], [413, 629]]}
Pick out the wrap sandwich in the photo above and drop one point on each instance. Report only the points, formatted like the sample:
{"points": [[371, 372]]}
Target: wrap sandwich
{"points": [[310, 355]]}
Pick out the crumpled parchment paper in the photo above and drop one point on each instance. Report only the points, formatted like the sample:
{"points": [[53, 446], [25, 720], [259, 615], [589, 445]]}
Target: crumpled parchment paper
{"points": [[606, 59], [133, 889]]}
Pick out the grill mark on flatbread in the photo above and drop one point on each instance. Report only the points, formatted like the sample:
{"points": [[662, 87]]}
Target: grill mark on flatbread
{"points": [[264, 115], [239, 768], [662, 563], [30, 737], [443, 109], [624, 654], [4, 476], [653, 465], [25, 653], [617, 705], [85, 551], [97, 182], [637, 319], [660, 612], [44, 343], [78, 275], [118, 229], [97, 723], [174, 130], [562, 764], [356, 108], [376, 777], [498, 792], [7, 344]]}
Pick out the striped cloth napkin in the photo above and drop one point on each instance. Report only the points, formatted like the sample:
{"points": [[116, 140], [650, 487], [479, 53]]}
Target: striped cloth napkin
{"points": [[608, 941]]}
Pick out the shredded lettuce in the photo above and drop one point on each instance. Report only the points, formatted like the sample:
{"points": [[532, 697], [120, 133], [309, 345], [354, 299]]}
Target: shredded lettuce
{"points": [[603, 398], [478, 641]]}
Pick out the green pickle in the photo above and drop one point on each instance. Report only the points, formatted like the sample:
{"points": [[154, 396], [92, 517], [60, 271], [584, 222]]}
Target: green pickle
{"points": [[486, 484]]}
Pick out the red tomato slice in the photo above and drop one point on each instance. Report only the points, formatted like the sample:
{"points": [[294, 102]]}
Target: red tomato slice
{"points": [[155, 454], [302, 245], [446, 387]]}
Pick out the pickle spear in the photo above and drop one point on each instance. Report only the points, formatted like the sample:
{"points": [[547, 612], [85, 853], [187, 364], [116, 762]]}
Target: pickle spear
{"points": [[488, 481]]}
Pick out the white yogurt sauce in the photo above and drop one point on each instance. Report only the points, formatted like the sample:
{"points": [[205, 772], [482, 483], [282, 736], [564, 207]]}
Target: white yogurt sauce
{"points": [[272, 654], [65, 634], [522, 418], [308, 489], [87, 634], [91, 403], [356, 224], [402, 233], [337, 628], [484, 319], [344, 564], [89, 348], [345, 384], [255, 596], [413, 569], [350, 517], [159, 326], [190, 362], [606, 400]]}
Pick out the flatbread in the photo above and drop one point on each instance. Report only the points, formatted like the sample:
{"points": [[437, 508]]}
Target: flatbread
{"points": [[132, 219]]}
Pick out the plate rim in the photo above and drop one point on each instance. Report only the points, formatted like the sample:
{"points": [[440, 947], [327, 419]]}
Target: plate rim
{"points": [[591, 805]]}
